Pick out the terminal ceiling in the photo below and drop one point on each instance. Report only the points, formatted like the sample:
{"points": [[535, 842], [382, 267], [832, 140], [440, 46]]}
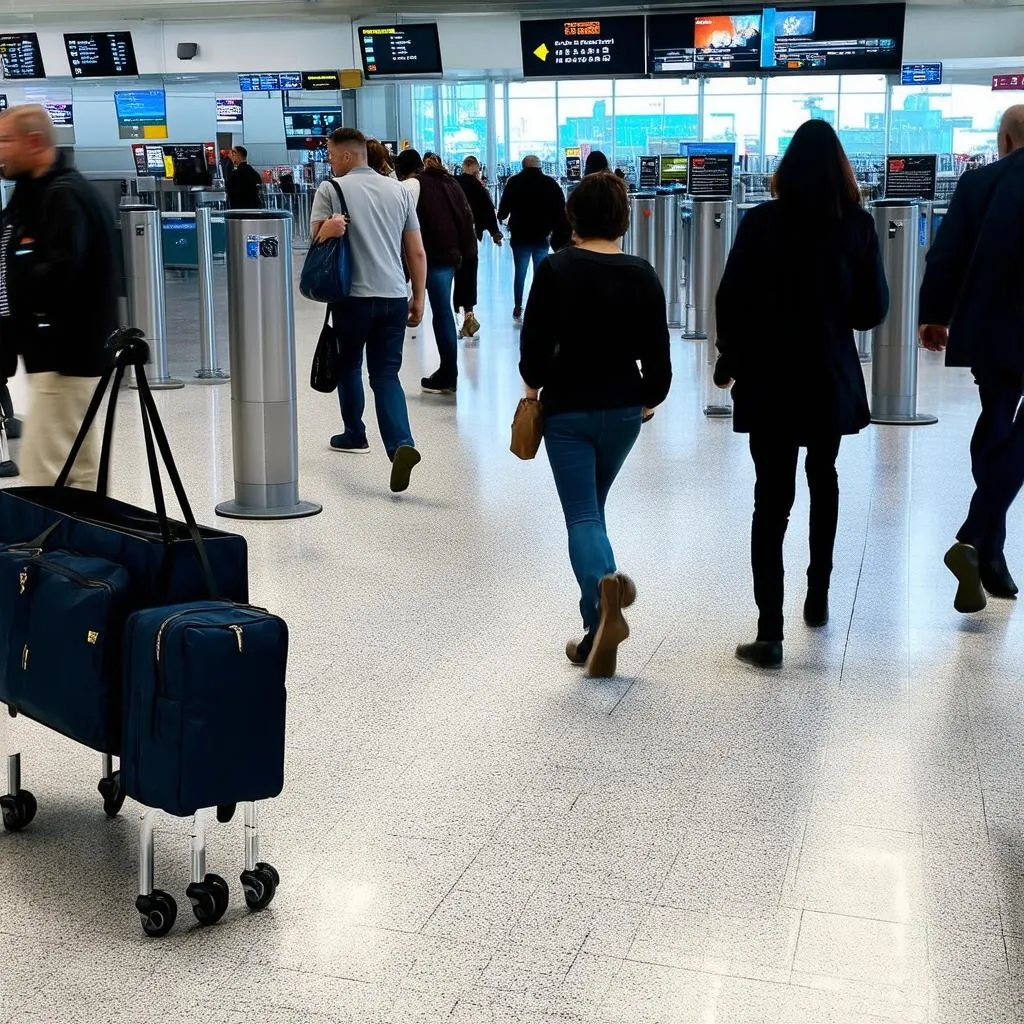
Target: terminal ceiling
{"points": [[24, 11]]}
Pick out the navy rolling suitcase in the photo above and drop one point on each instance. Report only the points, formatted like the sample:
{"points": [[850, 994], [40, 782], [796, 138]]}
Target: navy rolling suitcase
{"points": [[204, 706]]}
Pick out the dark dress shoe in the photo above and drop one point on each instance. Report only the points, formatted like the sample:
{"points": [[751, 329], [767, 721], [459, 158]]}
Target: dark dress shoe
{"points": [[816, 609], [996, 578], [761, 653], [962, 561]]}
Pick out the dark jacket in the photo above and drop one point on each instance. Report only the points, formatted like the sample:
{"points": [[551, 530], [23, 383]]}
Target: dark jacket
{"points": [[245, 188], [61, 274], [974, 282], [480, 202], [795, 288], [590, 319], [535, 208], [446, 221]]}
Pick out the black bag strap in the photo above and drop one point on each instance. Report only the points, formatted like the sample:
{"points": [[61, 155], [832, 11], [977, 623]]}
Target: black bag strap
{"points": [[341, 196]]}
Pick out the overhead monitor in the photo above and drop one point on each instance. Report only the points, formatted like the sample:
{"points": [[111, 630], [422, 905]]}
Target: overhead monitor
{"points": [[149, 160], [192, 163], [307, 129], [727, 42], [389, 50], [674, 170], [584, 47], [312, 81], [141, 114], [866, 38], [229, 109], [921, 74], [61, 114], [101, 54], [20, 55], [270, 81]]}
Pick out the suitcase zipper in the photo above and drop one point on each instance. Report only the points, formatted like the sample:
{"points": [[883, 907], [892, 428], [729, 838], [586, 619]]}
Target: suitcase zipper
{"points": [[237, 630]]}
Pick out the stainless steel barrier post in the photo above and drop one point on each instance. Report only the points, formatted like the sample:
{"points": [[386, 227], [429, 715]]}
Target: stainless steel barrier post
{"points": [[640, 239], [667, 238], [144, 276], [209, 371], [863, 339], [894, 370], [264, 412]]}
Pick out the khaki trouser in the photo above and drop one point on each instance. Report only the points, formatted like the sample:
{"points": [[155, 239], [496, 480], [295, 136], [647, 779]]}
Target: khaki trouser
{"points": [[56, 408]]}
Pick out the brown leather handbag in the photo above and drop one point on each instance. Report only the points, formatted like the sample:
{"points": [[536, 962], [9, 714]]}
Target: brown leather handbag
{"points": [[527, 429]]}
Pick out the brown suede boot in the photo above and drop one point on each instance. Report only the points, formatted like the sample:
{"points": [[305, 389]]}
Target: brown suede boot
{"points": [[613, 629]]}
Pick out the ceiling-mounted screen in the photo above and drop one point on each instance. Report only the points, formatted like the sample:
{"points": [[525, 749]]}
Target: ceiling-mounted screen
{"points": [[61, 114], [400, 50], [141, 114], [270, 81], [851, 38], [313, 81], [101, 54], [306, 128], [20, 55], [584, 47], [727, 42], [921, 74], [229, 110]]}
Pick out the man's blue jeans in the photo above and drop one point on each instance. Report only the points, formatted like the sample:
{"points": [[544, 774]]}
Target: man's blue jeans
{"points": [[439, 290], [378, 325], [523, 255], [586, 451]]}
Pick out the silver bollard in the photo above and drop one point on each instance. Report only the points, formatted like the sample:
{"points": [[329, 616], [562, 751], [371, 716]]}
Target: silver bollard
{"points": [[209, 372], [669, 265], [895, 351], [863, 339], [639, 238], [264, 412], [144, 277]]}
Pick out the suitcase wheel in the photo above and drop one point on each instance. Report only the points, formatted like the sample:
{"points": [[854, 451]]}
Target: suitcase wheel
{"points": [[112, 791], [209, 899], [158, 911], [260, 886], [18, 810]]}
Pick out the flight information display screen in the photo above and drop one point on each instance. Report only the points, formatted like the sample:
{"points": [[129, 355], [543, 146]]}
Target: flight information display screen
{"points": [[853, 38], [400, 50], [316, 80], [727, 42], [61, 114], [921, 74], [229, 110], [101, 54], [20, 55], [141, 114], [270, 81], [308, 129], [583, 47], [149, 160]]}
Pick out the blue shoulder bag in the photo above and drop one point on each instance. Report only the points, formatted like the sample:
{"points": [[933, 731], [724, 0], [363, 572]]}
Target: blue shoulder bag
{"points": [[327, 271]]}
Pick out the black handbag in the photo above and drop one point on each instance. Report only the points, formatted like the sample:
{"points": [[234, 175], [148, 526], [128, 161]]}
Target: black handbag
{"points": [[323, 375], [327, 270]]}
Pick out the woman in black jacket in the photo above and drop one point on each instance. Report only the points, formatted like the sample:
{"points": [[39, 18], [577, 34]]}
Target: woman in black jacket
{"points": [[804, 273], [485, 218]]}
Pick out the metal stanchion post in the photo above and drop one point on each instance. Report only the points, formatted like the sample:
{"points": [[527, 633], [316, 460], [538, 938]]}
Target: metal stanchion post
{"points": [[144, 277], [894, 369], [209, 371], [264, 408]]}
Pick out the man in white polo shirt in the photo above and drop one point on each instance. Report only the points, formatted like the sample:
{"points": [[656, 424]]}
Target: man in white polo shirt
{"points": [[381, 221]]}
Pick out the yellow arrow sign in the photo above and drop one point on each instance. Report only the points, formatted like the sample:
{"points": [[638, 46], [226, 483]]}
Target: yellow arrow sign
{"points": [[542, 51]]}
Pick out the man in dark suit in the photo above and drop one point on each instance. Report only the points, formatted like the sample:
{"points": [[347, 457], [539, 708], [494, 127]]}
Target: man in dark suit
{"points": [[971, 307], [245, 186]]}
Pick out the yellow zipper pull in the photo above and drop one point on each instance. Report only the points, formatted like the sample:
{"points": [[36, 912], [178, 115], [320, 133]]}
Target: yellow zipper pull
{"points": [[237, 630]]}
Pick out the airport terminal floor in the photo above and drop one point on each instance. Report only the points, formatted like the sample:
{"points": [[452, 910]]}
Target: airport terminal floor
{"points": [[474, 832]]}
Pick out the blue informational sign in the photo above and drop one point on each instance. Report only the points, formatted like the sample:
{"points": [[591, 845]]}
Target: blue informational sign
{"points": [[141, 114], [922, 230], [270, 81], [707, 148], [921, 74]]}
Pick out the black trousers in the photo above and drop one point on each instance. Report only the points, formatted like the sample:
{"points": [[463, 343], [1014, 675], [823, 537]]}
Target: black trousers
{"points": [[464, 296], [997, 460], [775, 461]]}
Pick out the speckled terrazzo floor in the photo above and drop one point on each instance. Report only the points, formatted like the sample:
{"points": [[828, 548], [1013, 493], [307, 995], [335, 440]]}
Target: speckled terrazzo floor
{"points": [[474, 833]]}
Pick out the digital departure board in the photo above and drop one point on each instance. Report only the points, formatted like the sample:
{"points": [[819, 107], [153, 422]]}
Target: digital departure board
{"points": [[583, 47], [921, 74], [20, 55], [149, 160], [141, 114], [101, 54], [270, 81], [312, 81], [305, 128], [866, 38], [229, 109], [400, 50], [61, 114]]}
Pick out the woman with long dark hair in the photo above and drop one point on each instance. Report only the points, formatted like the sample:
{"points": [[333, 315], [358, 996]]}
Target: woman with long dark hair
{"points": [[804, 274]]}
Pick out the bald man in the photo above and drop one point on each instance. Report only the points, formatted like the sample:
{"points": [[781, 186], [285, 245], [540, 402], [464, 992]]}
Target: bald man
{"points": [[972, 306], [58, 292]]}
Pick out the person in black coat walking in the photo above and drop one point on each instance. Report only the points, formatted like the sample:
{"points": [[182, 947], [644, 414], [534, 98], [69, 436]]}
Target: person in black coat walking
{"points": [[245, 186], [485, 219], [971, 298], [804, 273]]}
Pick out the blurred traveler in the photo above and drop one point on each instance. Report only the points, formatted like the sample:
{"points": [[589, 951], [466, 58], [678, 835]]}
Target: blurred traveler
{"points": [[971, 299], [245, 186], [596, 162], [594, 314], [58, 295], [379, 158], [786, 311], [534, 206], [382, 223], [484, 219], [447, 224]]}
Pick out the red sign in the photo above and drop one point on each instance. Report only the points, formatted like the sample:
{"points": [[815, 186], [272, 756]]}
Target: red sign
{"points": [[1006, 83]]}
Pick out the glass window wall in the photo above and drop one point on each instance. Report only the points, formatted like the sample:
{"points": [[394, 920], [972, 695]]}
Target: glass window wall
{"points": [[464, 121], [732, 113], [959, 119], [653, 117], [791, 101], [533, 122], [424, 118]]}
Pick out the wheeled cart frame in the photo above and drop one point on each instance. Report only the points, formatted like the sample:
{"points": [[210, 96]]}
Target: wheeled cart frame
{"points": [[207, 893]]}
